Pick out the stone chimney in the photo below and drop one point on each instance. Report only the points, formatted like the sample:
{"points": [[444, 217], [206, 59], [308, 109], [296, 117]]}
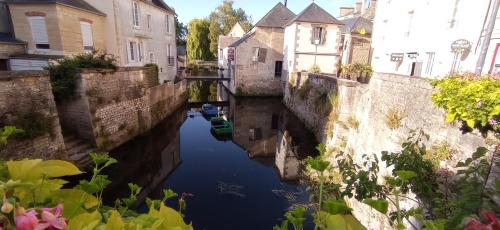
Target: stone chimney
{"points": [[346, 10], [359, 6]]}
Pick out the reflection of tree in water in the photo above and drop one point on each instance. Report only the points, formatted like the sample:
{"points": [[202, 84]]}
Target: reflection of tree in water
{"points": [[203, 91]]}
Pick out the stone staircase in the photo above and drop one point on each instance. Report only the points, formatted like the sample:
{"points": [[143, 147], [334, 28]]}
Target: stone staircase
{"points": [[79, 150]]}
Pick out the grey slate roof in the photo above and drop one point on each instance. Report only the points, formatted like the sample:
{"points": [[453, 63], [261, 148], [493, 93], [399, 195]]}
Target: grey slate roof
{"points": [[8, 38], [315, 14], [278, 16], [181, 50], [353, 24], [163, 5], [242, 39], [79, 4]]}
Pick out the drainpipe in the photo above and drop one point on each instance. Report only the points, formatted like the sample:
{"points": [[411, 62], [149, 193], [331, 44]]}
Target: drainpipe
{"points": [[487, 37]]}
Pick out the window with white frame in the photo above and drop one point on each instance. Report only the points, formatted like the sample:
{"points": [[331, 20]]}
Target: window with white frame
{"points": [[136, 14], [170, 57], [39, 32], [132, 51], [87, 38], [152, 57], [318, 35], [430, 62], [140, 49], [167, 23], [149, 21]]}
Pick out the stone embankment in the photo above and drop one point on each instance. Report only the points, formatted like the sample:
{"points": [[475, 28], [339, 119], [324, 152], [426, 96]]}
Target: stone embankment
{"points": [[26, 101], [375, 117], [108, 109]]}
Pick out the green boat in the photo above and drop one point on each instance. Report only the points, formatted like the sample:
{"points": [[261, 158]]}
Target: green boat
{"points": [[221, 126]]}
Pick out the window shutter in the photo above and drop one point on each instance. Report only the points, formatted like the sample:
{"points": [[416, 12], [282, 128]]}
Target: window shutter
{"points": [[313, 32], [39, 30], [323, 36], [262, 55], [87, 38]]}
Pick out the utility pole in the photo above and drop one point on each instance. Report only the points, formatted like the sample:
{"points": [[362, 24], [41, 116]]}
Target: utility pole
{"points": [[487, 37]]}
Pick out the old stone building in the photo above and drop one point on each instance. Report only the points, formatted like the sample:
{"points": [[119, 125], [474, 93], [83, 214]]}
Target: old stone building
{"points": [[140, 32], [54, 28], [357, 32], [9, 45], [312, 38], [254, 62]]}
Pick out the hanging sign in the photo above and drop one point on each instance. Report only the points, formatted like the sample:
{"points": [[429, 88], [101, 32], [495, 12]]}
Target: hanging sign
{"points": [[397, 57], [461, 46]]}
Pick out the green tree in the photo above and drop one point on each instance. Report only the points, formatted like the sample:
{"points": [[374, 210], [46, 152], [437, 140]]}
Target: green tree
{"points": [[198, 43], [222, 19], [180, 32]]}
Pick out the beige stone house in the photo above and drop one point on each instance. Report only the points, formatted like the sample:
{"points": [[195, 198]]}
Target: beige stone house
{"points": [[357, 32], [254, 62], [139, 32], [54, 28], [9, 45], [312, 38]]}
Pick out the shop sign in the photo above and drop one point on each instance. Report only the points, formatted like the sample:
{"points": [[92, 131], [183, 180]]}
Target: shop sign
{"points": [[461, 46], [397, 57]]}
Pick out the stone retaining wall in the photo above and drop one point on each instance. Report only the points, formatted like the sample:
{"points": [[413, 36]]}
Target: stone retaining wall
{"points": [[359, 126], [116, 106], [26, 101]]}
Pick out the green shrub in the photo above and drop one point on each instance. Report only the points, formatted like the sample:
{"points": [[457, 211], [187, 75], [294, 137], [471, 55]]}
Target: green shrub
{"points": [[62, 73], [473, 100]]}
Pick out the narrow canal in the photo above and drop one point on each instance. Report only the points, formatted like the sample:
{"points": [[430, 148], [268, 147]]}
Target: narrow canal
{"points": [[246, 179]]}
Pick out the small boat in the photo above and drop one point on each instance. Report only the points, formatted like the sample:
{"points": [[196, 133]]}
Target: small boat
{"points": [[221, 126], [209, 110]]}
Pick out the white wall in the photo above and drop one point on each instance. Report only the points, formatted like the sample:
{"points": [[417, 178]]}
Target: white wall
{"points": [[301, 54], [119, 24], [426, 26]]}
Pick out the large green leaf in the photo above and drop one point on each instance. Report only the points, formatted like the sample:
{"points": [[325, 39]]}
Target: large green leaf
{"points": [[75, 201], [335, 207], [379, 205], [21, 170], [406, 175], [85, 221], [172, 220], [27, 170], [115, 222], [341, 222]]}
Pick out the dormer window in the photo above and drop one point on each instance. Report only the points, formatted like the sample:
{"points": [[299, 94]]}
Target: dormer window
{"points": [[318, 35], [39, 32]]}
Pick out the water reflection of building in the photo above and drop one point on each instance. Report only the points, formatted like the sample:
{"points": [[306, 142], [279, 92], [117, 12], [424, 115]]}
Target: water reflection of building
{"points": [[294, 143], [255, 122], [147, 160], [265, 128]]}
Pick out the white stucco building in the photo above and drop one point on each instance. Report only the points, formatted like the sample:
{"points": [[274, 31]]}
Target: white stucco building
{"points": [[140, 32], [312, 38], [431, 38]]}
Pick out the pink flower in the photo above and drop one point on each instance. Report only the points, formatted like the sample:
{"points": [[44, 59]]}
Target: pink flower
{"points": [[26, 220], [52, 219]]}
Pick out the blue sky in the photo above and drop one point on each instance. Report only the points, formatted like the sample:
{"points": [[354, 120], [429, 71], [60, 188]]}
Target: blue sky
{"points": [[189, 9]]}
